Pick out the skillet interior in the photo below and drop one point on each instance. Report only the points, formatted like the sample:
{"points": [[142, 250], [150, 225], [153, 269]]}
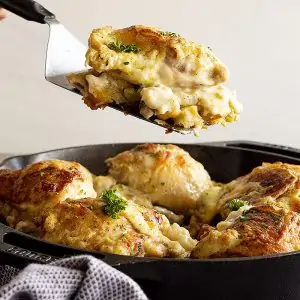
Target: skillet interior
{"points": [[223, 160]]}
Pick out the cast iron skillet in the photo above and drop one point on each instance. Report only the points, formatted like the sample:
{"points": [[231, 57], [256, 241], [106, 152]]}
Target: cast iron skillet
{"points": [[257, 278]]}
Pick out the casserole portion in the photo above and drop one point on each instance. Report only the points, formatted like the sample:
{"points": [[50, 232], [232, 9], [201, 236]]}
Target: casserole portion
{"points": [[158, 74]]}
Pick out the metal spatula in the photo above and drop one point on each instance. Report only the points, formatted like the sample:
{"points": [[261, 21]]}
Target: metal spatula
{"points": [[65, 54]]}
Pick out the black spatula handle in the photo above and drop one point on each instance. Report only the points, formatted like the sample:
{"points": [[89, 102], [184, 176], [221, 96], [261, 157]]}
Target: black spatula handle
{"points": [[27, 9]]}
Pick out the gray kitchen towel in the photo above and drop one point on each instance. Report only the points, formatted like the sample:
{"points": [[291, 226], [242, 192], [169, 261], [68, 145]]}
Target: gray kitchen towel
{"points": [[78, 278]]}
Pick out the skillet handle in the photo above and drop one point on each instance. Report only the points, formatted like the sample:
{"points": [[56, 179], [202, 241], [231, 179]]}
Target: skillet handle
{"points": [[18, 256], [265, 147], [28, 10]]}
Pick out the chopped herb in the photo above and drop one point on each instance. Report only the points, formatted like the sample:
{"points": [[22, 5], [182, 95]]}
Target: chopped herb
{"points": [[126, 63], [114, 204], [235, 204], [120, 47], [42, 174], [218, 96], [106, 63], [168, 33], [244, 218], [162, 183]]}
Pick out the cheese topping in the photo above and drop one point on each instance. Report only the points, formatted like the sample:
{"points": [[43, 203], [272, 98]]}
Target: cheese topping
{"points": [[232, 217]]}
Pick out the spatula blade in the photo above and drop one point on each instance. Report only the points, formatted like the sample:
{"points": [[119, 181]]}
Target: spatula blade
{"points": [[65, 55]]}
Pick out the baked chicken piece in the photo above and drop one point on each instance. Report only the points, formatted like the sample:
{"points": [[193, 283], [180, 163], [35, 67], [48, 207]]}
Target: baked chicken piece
{"points": [[136, 231], [55, 200], [275, 184], [259, 230], [160, 74], [40, 186], [167, 173], [259, 212]]}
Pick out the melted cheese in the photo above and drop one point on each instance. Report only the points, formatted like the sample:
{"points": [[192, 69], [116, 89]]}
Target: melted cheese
{"points": [[161, 99], [211, 101], [232, 217]]}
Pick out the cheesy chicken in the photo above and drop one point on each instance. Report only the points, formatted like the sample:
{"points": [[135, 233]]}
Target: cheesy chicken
{"points": [[160, 75], [155, 200]]}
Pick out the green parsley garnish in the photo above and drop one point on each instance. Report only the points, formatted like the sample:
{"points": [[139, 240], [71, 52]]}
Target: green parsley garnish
{"points": [[126, 63], [42, 174], [244, 218], [235, 204], [218, 96], [168, 33], [120, 47], [113, 203]]}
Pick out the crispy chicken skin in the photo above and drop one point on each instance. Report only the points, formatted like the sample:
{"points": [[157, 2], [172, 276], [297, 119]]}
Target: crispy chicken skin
{"points": [[276, 184], [263, 230], [7, 180], [265, 220], [41, 185], [167, 173], [159, 74], [56, 201]]}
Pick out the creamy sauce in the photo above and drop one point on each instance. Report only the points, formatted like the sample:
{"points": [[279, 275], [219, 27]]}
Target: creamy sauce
{"points": [[216, 100], [161, 99], [172, 77], [233, 217]]}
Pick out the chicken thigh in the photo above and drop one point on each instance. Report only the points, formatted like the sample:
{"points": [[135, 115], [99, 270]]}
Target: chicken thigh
{"points": [[260, 213], [167, 173]]}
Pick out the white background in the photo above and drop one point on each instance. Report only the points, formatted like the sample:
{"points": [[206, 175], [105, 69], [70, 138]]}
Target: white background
{"points": [[259, 40]]}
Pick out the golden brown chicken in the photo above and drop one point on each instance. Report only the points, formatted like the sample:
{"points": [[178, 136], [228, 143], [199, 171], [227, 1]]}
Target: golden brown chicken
{"points": [[56, 201], [259, 212], [275, 184], [137, 231], [41, 185], [261, 230], [167, 173], [161, 74]]}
